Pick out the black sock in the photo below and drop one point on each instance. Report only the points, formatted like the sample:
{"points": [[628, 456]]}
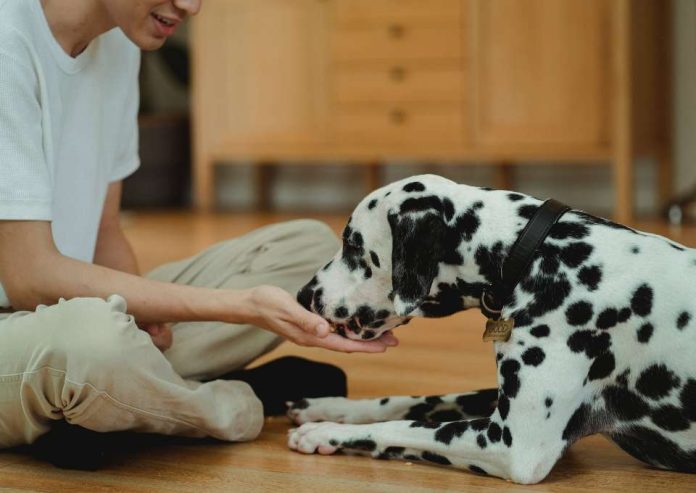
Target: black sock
{"points": [[290, 379]]}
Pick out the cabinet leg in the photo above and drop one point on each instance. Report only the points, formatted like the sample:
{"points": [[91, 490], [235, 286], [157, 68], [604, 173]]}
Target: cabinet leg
{"points": [[665, 177], [504, 176], [373, 176], [264, 173], [203, 186]]}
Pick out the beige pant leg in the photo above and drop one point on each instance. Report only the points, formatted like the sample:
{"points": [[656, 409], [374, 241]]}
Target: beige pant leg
{"points": [[285, 255], [86, 360]]}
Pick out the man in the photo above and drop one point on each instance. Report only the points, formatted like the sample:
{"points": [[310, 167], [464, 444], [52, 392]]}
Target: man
{"points": [[81, 333]]}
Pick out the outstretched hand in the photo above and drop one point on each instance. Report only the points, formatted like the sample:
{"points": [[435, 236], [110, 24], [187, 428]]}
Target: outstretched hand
{"points": [[276, 310]]}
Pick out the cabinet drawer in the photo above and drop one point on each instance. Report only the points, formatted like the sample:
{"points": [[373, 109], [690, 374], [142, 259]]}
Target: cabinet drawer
{"points": [[390, 83], [398, 41], [370, 11], [410, 125]]}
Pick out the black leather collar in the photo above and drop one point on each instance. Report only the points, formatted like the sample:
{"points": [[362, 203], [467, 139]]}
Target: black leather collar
{"points": [[520, 257]]}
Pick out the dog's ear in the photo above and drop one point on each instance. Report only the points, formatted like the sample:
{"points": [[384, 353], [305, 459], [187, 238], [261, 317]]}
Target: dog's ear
{"points": [[417, 249]]}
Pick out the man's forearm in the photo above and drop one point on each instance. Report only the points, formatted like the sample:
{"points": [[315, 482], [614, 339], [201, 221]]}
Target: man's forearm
{"points": [[148, 300], [114, 251]]}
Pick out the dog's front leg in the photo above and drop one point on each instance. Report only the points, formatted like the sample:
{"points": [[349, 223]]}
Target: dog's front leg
{"points": [[476, 445], [440, 408]]}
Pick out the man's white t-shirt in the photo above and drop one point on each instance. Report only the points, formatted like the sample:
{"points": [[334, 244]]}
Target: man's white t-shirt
{"points": [[68, 126]]}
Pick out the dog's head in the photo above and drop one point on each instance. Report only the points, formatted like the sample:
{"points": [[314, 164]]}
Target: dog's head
{"points": [[397, 242]]}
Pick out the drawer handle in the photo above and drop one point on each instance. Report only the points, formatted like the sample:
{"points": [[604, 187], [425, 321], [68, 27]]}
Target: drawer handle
{"points": [[396, 31], [397, 117], [397, 74]]}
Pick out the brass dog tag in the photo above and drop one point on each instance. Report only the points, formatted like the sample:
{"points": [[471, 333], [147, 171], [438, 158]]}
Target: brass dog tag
{"points": [[498, 330]]}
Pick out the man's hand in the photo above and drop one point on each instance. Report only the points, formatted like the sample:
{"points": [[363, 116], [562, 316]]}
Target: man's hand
{"points": [[274, 309], [160, 333]]}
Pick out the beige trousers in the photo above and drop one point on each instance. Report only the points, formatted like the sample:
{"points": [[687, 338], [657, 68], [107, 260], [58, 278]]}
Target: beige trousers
{"points": [[86, 361]]}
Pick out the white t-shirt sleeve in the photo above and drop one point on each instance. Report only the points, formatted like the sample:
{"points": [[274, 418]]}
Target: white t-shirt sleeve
{"points": [[127, 159], [25, 190]]}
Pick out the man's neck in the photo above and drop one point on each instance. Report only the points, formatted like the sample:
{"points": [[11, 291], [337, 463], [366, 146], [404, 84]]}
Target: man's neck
{"points": [[75, 23]]}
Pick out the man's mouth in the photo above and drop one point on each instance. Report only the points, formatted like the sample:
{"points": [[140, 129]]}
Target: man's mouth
{"points": [[164, 20]]}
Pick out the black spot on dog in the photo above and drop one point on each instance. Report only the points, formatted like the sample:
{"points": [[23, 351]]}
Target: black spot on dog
{"points": [[575, 428], [422, 204], [590, 277], [540, 331], [687, 398], [494, 433], [481, 441], [527, 211], [642, 300], [533, 356], [602, 367], [624, 314], [507, 437], [392, 453], [676, 247], [341, 312], [579, 313], [657, 382], [514, 197], [624, 404], [480, 403], [635, 250], [654, 448], [670, 418], [301, 404], [576, 253], [447, 432], [645, 333], [375, 259], [477, 470], [548, 402], [384, 401], [489, 261], [364, 444], [479, 424], [477, 205], [511, 382], [549, 295], [367, 334], [564, 230], [587, 341], [419, 411], [372, 204], [448, 208], [467, 224], [414, 186], [448, 299], [445, 415], [503, 406], [683, 320], [608, 319], [436, 459]]}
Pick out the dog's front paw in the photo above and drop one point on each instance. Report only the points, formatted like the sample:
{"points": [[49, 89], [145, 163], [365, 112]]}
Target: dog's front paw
{"points": [[322, 438], [320, 409]]}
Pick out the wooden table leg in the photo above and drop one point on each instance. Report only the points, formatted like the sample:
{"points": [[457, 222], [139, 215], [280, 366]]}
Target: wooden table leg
{"points": [[373, 176], [263, 174], [504, 176]]}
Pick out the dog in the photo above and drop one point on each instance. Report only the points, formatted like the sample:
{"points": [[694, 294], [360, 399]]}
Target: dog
{"points": [[604, 337]]}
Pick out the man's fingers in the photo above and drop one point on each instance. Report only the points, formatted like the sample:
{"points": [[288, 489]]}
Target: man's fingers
{"points": [[338, 343], [311, 322]]}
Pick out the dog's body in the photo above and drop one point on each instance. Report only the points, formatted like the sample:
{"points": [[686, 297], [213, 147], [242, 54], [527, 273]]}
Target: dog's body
{"points": [[604, 338]]}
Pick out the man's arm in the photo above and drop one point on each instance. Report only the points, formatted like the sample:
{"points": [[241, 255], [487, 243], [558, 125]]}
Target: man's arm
{"points": [[33, 272], [113, 249]]}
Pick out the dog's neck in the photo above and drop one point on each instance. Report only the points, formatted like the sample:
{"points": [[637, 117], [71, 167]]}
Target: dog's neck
{"points": [[488, 222]]}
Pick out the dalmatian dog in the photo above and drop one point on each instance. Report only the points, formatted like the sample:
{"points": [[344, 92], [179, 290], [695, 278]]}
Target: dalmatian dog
{"points": [[604, 338]]}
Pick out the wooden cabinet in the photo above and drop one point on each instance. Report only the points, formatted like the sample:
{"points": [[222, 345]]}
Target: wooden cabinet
{"points": [[370, 81]]}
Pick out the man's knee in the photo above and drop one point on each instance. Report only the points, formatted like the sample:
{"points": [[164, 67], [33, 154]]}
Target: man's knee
{"points": [[89, 332], [317, 235]]}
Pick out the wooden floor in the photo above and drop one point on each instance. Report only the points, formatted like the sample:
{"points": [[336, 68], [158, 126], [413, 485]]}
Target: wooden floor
{"points": [[435, 356]]}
